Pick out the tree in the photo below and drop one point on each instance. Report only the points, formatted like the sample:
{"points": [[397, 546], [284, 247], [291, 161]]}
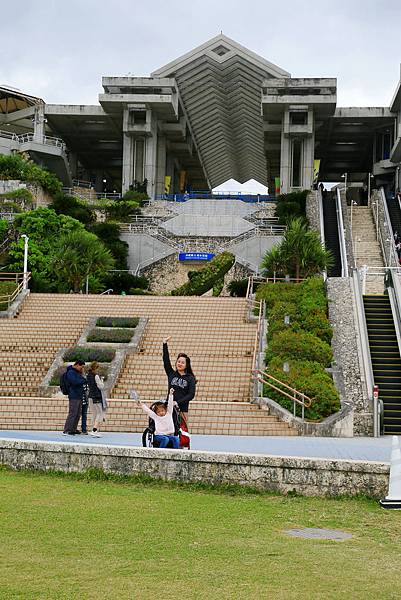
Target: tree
{"points": [[300, 253], [80, 254], [44, 228], [73, 207]]}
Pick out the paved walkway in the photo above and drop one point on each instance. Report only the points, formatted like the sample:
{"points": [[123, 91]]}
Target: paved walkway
{"points": [[372, 449]]}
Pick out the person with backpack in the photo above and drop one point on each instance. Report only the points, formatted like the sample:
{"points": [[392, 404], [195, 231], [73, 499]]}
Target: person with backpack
{"points": [[73, 383]]}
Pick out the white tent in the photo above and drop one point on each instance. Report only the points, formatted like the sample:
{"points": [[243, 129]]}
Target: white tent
{"points": [[231, 185], [249, 188], [254, 187]]}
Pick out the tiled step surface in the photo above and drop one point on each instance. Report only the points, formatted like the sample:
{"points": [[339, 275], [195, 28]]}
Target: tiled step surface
{"points": [[208, 418], [213, 331]]}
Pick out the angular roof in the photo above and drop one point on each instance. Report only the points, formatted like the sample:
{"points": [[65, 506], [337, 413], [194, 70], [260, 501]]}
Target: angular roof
{"points": [[219, 84]]}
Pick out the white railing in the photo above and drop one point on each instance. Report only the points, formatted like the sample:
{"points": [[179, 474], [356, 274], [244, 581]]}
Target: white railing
{"points": [[23, 138]]}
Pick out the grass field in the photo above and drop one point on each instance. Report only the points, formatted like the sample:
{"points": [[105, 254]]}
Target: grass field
{"points": [[67, 537]]}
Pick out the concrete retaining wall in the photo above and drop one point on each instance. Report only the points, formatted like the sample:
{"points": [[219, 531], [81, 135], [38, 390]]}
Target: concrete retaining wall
{"points": [[311, 477]]}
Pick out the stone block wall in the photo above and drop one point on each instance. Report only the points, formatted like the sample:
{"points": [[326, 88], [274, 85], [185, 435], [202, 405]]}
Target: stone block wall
{"points": [[346, 352], [307, 476]]}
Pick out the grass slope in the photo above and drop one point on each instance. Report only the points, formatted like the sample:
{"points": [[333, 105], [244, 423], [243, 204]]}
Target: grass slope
{"points": [[64, 537]]}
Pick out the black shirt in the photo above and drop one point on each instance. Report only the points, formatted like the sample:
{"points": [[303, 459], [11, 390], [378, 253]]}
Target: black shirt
{"points": [[183, 385]]}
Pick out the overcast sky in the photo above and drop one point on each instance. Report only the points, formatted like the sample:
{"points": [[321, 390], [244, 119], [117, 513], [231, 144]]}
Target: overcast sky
{"points": [[59, 49]]}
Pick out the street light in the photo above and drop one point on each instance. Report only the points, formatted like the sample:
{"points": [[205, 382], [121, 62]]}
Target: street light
{"points": [[25, 280], [370, 176]]}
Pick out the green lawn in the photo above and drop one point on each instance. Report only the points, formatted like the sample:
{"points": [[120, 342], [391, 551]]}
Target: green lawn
{"points": [[63, 537]]}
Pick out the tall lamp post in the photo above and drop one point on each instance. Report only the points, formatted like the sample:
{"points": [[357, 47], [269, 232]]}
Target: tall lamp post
{"points": [[25, 280]]}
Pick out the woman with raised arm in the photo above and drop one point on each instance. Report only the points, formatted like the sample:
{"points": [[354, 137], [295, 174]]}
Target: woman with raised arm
{"points": [[181, 379]]}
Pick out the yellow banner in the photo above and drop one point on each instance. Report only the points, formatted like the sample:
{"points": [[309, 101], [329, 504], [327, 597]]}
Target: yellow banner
{"points": [[167, 184], [316, 169]]}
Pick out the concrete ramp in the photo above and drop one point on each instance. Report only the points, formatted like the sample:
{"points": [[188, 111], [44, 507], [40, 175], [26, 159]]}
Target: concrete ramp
{"points": [[253, 249], [143, 249], [209, 226]]}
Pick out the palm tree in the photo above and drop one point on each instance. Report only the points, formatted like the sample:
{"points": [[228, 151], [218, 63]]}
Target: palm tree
{"points": [[80, 254], [300, 253]]}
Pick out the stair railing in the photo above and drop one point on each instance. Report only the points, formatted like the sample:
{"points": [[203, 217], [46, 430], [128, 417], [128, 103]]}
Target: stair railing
{"points": [[298, 398], [394, 292], [364, 349], [341, 235], [388, 245], [258, 350]]}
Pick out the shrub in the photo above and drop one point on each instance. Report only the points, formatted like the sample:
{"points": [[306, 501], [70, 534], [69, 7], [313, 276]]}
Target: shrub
{"points": [[140, 292], [21, 197], [290, 206], [203, 280], [121, 210], [114, 335], [73, 207], [6, 288], [309, 378], [4, 225], [88, 354], [299, 345], [14, 166], [277, 292], [129, 322], [10, 207], [139, 197], [238, 287]]}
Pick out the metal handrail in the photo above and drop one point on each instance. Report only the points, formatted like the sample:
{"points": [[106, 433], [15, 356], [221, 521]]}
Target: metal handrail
{"points": [[364, 346], [297, 397], [341, 235], [109, 291], [393, 257], [22, 138], [21, 280]]}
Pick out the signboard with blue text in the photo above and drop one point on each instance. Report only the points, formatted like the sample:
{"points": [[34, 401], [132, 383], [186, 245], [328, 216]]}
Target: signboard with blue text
{"points": [[195, 256]]}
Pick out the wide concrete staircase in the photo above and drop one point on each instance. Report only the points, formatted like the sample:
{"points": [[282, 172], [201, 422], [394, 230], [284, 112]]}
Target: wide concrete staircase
{"points": [[367, 249], [213, 331]]}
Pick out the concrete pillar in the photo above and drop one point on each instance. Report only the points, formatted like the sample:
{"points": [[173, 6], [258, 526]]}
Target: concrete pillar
{"points": [[160, 164], [151, 162], [39, 123], [285, 163], [308, 157], [128, 162]]}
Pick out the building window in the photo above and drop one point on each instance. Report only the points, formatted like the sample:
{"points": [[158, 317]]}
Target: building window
{"points": [[299, 118], [296, 163]]}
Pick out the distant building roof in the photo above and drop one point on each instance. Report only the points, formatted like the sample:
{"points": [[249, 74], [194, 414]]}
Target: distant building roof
{"points": [[12, 100]]}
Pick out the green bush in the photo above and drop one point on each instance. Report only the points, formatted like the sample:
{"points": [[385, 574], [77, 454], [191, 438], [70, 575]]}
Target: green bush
{"points": [[113, 336], [290, 206], [277, 292], [121, 210], [10, 207], [299, 345], [21, 197], [139, 197], [120, 281], [6, 288], [88, 354], [205, 279], [140, 292], [4, 225], [129, 322], [309, 378], [14, 166], [73, 207], [238, 287]]}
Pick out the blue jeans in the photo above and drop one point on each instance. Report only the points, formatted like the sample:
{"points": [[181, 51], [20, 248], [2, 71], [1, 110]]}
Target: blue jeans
{"points": [[84, 417], [163, 440]]}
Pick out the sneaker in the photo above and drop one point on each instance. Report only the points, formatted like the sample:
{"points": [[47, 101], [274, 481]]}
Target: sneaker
{"points": [[95, 434], [76, 432], [84, 432], [68, 433]]}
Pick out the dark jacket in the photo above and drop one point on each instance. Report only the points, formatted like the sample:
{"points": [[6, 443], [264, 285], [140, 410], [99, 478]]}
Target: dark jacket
{"points": [[93, 390], [76, 384], [183, 385]]}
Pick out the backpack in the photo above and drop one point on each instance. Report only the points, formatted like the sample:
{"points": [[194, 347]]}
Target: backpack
{"points": [[64, 385]]}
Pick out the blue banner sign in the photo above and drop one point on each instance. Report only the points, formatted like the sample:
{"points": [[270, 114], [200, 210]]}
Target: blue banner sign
{"points": [[194, 256]]}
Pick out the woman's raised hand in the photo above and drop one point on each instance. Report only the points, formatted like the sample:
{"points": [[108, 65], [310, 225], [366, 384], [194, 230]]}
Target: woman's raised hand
{"points": [[167, 339]]}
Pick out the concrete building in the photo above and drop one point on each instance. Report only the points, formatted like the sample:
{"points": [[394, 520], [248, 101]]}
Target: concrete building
{"points": [[218, 112]]}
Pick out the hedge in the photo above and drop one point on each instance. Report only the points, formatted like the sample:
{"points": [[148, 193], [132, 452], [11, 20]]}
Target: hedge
{"points": [[205, 279], [129, 322], [309, 378], [299, 345], [113, 336], [88, 354]]}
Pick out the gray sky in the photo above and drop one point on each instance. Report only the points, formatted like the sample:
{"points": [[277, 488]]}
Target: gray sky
{"points": [[59, 49]]}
